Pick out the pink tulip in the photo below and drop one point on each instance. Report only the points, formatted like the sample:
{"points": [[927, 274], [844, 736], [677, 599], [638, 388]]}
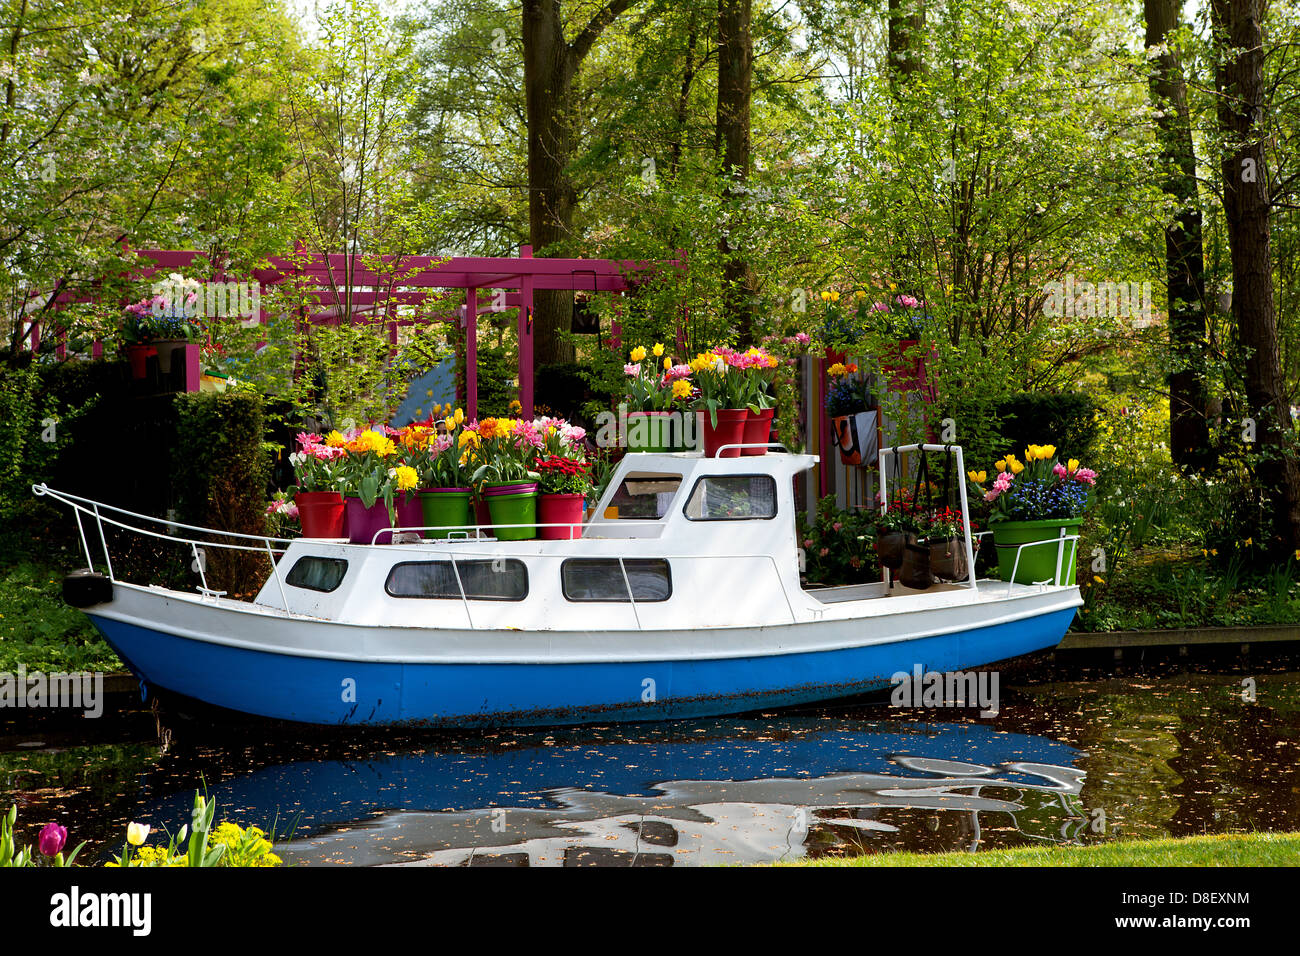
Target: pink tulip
{"points": [[52, 839]]}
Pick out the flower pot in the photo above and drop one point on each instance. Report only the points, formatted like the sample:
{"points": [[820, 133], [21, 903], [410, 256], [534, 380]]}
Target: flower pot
{"points": [[512, 503], [1037, 563], [445, 510], [410, 513], [321, 513], [557, 508], [649, 431], [915, 572], [730, 430], [948, 559], [889, 548], [363, 522], [165, 349], [138, 356], [758, 429], [844, 436]]}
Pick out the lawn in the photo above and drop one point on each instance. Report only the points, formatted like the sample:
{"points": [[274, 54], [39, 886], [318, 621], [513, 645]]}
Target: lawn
{"points": [[1232, 849]]}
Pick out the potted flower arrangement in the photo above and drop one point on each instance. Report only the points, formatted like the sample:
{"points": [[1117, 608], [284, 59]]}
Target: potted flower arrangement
{"points": [[564, 481], [901, 321], [757, 369], [847, 404], [946, 537], [153, 323], [440, 457], [723, 398], [318, 493], [1036, 502], [897, 526], [373, 476], [506, 450], [652, 397]]}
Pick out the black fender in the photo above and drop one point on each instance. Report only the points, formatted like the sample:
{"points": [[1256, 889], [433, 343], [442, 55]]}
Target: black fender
{"points": [[86, 588]]}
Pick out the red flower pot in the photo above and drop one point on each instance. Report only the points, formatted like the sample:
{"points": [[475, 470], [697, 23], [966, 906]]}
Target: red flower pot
{"points": [[758, 429], [555, 509], [138, 356], [321, 513], [730, 430]]}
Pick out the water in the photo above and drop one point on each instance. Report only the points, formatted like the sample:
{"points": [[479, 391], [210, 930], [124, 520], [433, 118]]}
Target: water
{"points": [[1067, 760]]}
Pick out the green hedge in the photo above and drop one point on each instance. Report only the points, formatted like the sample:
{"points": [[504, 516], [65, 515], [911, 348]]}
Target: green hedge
{"points": [[1066, 420], [220, 468]]}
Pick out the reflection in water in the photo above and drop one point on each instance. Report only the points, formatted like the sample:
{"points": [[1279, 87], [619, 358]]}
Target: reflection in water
{"points": [[1064, 761], [719, 791]]}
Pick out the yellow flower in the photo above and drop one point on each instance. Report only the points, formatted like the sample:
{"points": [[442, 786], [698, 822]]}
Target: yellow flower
{"points": [[668, 363], [335, 439], [837, 369], [136, 833], [470, 438], [978, 477], [1016, 468], [1072, 465], [1000, 464], [1213, 552], [1098, 579], [460, 416], [835, 296], [826, 296], [407, 478], [1248, 542], [681, 388], [638, 353], [892, 287], [515, 406], [1047, 451], [658, 350], [859, 294]]}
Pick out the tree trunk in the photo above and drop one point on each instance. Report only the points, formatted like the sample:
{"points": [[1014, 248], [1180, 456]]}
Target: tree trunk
{"points": [[1239, 81], [735, 72], [906, 20], [1189, 442], [548, 83]]}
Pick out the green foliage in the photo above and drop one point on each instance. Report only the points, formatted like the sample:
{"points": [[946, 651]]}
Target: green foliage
{"points": [[838, 545], [1066, 420], [37, 629], [199, 844], [220, 468], [12, 855]]}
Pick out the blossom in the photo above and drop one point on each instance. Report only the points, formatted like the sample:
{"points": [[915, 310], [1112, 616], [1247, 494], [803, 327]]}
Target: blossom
{"points": [[682, 389], [335, 439], [632, 370], [638, 353], [907, 300], [835, 296], [1059, 470], [137, 833], [51, 839], [668, 363], [1000, 464], [1016, 467], [658, 349], [1086, 475], [802, 338], [879, 307], [826, 296], [836, 370], [1072, 466], [979, 477], [407, 477]]}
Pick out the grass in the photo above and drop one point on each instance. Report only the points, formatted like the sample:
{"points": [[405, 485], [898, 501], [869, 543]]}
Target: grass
{"points": [[1231, 849], [37, 629]]}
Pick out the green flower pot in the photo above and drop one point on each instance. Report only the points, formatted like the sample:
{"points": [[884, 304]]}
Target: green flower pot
{"points": [[512, 503], [1037, 563], [446, 509]]}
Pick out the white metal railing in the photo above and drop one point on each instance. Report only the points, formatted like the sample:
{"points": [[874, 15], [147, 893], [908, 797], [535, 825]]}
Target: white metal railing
{"points": [[1060, 558], [472, 548], [764, 445]]}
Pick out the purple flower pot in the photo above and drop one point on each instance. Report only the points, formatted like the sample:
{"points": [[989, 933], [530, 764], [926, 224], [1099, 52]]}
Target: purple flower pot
{"points": [[363, 522]]}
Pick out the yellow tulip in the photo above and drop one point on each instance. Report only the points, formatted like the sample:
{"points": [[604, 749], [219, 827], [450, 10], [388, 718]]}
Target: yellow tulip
{"points": [[859, 294], [1049, 451], [668, 363], [1016, 468], [638, 353], [835, 296], [978, 477], [658, 350], [137, 833], [826, 296], [1072, 466], [1000, 464]]}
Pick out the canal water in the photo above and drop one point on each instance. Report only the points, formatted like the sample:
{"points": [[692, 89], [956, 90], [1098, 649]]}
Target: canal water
{"points": [[1072, 757]]}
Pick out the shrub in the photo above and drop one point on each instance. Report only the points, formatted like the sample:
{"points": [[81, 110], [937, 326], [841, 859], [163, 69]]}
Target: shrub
{"points": [[1066, 420]]}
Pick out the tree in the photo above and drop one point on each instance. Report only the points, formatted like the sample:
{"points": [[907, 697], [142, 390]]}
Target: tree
{"points": [[1239, 85], [551, 64], [735, 73], [1189, 441]]}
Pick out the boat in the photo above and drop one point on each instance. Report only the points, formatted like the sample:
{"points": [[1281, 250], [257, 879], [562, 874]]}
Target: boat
{"points": [[681, 599]]}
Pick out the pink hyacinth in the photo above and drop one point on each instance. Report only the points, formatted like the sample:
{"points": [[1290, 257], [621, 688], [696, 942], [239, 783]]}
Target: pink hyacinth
{"points": [[1059, 471], [1086, 475]]}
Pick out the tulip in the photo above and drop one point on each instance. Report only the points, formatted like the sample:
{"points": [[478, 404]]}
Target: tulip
{"points": [[1017, 468], [835, 296], [658, 350], [668, 363], [638, 353], [52, 839], [137, 833], [1072, 466], [826, 296], [1000, 464]]}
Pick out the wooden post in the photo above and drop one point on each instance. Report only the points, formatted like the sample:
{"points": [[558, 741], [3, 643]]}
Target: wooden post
{"points": [[526, 339], [471, 353]]}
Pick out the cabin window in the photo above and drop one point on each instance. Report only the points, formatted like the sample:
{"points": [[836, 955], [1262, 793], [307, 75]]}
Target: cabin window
{"points": [[601, 579], [317, 574], [501, 580], [643, 497], [732, 498]]}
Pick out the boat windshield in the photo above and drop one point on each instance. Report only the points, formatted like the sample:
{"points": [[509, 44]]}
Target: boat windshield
{"points": [[643, 496]]}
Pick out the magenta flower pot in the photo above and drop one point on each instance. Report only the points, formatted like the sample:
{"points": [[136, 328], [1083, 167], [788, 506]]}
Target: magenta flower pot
{"points": [[410, 514], [363, 522]]}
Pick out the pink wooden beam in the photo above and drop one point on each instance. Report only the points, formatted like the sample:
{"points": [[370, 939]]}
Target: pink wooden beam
{"points": [[526, 341], [471, 353]]}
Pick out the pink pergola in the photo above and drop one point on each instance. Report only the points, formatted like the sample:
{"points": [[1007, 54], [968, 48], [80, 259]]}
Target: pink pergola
{"points": [[409, 280]]}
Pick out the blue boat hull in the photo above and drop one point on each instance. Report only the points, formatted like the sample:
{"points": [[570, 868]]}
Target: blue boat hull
{"points": [[361, 693]]}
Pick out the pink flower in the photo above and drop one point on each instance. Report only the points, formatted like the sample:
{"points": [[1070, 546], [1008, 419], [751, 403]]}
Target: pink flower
{"points": [[802, 338], [879, 307], [838, 526], [51, 839], [1059, 471], [807, 542], [824, 551], [307, 440], [632, 370], [1003, 481], [1086, 475], [991, 495], [908, 301], [676, 372]]}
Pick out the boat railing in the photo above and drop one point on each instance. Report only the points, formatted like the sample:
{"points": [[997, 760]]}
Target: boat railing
{"points": [[779, 446], [102, 514], [1060, 542], [886, 453]]}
